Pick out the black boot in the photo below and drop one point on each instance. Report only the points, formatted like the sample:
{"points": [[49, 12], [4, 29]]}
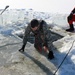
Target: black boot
{"points": [[50, 55], [71, 29]]}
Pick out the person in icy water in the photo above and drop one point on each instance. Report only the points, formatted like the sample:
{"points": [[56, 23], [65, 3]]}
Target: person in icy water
{"points": [[42, 36], [71, 19]]}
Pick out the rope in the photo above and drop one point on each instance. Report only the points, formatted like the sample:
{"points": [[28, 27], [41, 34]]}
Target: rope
{"points": [[64, 58]]}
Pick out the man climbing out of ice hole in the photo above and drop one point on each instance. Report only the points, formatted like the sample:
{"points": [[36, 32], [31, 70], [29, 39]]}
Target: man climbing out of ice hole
{"points": [[71, 19], [42, 36]]}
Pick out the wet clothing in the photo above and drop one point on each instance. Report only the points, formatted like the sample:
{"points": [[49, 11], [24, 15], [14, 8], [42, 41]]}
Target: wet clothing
{"points": [[71, 17], [42, 35]]}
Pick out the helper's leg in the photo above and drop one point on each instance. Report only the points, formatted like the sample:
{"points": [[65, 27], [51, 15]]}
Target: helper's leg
{"points": [[70, 21]]}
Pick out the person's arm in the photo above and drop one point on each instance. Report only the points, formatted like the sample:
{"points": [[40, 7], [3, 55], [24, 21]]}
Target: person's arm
{"points": [[26, 36], [48, 36], [45, 31], [48, 41], [73, 11]]}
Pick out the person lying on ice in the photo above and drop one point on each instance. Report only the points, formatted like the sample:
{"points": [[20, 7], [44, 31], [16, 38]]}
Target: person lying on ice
{"points": [[42, 36], [71, 19]]}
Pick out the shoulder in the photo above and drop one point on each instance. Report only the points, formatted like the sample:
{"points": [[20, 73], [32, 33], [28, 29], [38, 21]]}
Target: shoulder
{"points": [[43, 22], [28, 25], [43, 25]]}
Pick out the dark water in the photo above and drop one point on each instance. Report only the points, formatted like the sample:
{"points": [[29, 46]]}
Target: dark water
{"points": [[31, 39]]}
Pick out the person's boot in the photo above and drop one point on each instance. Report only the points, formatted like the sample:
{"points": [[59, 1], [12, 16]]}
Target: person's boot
{"points": [[50, 55], [71, 29]]}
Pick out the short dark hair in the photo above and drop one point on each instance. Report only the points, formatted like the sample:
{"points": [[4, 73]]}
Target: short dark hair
{"points": [[34, 23]]}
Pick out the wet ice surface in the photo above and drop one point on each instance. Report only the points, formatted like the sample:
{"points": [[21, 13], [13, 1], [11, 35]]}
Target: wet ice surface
{"points": [[31, 62], [12, 62]]}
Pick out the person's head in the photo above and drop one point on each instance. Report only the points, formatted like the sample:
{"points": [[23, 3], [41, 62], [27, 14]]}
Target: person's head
{"points": [[34, 24]]}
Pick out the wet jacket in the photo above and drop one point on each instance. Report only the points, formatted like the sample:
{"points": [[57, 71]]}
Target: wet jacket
{"points": [[71, 17], [43, 34]]}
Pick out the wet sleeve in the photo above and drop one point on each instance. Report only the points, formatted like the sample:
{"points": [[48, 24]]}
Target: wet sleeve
{"points": [[45, 28], [26, 34], [48, 36]]}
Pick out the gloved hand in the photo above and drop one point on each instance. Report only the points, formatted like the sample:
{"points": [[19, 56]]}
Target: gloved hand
{"points": [[50, 55], [22, 49]]}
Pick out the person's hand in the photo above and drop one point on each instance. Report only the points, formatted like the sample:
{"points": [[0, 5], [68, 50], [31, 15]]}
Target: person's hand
{"points": [[22, 49], [45, 48], [50, 55]]}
